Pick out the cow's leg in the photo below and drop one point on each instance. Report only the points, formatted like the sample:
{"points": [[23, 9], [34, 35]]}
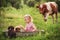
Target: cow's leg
{"points": [[53, 18]]}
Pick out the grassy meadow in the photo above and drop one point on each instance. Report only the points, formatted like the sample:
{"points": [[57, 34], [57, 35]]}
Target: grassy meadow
{"points": [[11, 16]]}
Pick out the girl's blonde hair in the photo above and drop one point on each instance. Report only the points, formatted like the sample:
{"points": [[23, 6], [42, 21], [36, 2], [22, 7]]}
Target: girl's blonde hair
{"points": [[27, 15]]}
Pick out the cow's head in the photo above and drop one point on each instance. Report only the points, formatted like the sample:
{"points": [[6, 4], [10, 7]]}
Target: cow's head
{"points": [[45, 15], [43, 10]]}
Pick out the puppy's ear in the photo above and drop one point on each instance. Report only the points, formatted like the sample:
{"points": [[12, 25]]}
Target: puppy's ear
{"points": [[10, 27]]}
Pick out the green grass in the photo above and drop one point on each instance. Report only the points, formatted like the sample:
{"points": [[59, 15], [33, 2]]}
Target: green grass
{"points": [[11, 16]]}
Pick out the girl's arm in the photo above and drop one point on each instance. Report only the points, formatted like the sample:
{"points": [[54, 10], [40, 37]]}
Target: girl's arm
{"points": [[34, 28]]}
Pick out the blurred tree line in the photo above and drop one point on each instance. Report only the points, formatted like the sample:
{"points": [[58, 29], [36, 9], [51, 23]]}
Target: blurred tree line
{"points": [[18, 3], [58, 2], [13, 3]]}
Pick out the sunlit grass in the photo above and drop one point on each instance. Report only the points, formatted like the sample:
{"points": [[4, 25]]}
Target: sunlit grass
{"points": [[12, 16]]}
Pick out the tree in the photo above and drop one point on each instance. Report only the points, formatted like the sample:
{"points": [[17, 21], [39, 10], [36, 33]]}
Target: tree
{"points": [[58, 2]]}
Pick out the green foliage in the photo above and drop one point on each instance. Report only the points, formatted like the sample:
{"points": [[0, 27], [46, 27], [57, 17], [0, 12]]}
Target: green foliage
{"points": [[37, 0], [18, 3], [50, 0], [16, 17], [58, 2], [14, 3], [25, 1], [31, 4], [3, 3]]}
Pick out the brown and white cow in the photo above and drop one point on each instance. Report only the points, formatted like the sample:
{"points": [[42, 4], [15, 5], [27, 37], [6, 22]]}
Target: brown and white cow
{"points": [[49, 8]]}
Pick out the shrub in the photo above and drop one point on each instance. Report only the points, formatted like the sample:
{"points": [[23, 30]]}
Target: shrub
{"points": [[31, 4], [58, 2]]}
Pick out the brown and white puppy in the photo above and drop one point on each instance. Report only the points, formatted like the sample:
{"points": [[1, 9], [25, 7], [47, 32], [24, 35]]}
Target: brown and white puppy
{"points": [[19, 28]]}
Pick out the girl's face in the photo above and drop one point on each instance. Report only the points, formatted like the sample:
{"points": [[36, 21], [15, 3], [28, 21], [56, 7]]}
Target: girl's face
{"points": [[27, 19]]}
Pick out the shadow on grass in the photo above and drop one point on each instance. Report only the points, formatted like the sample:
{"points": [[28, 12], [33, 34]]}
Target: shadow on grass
{"points": [[55, 35], [3, 37]]}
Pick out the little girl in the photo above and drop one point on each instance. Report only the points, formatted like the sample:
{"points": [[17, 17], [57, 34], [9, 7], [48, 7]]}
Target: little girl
{"points": [[30, 27]]}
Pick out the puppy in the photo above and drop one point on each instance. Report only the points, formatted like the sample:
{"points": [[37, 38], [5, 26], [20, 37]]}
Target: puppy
{"points": [[19, 28], [11, 32]]}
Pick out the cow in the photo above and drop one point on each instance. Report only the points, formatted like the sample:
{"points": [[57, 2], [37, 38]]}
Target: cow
{"points": [[48, 8]]}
